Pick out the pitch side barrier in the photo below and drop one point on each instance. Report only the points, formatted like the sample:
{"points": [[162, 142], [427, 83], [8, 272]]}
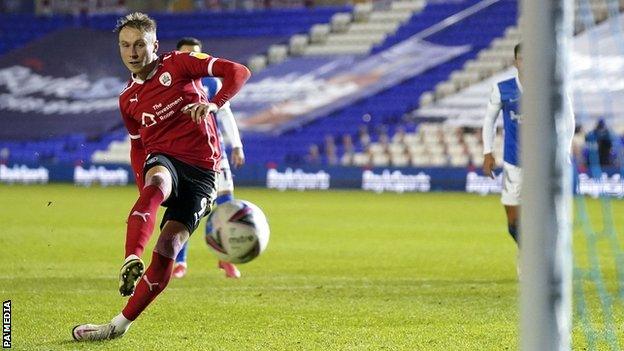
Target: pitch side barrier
{"points": [[380, 179]]}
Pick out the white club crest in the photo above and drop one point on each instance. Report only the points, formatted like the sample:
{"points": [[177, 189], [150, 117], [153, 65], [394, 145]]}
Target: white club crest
{"points": [[165, 79]]}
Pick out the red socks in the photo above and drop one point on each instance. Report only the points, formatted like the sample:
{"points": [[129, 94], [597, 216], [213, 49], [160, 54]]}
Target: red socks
{"points": [[152, 283], [141, 220]]}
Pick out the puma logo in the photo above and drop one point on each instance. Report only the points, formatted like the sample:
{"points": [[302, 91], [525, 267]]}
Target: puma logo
{"points": [[149, 285], [141, 214], [135, 98]]}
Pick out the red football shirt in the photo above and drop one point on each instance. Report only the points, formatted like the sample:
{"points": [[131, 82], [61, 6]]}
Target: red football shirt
{"points": [[151, 110]]}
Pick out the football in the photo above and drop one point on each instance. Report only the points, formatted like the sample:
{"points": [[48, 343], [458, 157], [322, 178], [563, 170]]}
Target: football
{"points": [[237, 231]]}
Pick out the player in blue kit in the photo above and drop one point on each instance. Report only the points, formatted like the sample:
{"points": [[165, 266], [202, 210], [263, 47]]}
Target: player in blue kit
{"points": [[228, 133], [505, 97]]}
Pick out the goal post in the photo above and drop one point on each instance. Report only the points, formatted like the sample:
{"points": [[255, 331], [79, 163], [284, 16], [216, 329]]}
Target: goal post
{"points": [[546, 240]]}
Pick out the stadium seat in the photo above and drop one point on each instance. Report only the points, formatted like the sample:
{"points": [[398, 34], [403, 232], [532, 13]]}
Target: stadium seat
{"points": [[380, 159], [361, 159], [400, 160]]}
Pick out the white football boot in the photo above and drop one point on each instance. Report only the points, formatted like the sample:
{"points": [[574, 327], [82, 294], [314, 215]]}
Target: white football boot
{"points": [[95, 332]]}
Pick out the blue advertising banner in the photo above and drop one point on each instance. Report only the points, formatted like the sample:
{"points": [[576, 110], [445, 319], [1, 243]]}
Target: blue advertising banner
{"points": [[398, 180]]}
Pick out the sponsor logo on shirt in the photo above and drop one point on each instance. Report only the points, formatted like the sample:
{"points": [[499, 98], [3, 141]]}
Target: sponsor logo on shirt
{"points": [[199, 55], [148, 119]]}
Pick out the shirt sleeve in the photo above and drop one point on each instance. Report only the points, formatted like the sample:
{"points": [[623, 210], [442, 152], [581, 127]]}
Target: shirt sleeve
{"points": [[228, 126], [489, 122], [197, 65], [234, 75], [194, 65]]}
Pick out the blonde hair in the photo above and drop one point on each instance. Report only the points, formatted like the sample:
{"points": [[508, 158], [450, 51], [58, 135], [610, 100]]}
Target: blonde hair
{"points": [[137, 20]]}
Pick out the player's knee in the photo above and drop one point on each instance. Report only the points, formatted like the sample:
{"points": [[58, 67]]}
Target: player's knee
{"points": [[161, 180], [170, 244]]}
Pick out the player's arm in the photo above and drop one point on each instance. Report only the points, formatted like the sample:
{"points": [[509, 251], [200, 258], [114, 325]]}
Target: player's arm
{"points": [[137, 151], [198, 65], [233, 76], [489, 131], [230, 129]]}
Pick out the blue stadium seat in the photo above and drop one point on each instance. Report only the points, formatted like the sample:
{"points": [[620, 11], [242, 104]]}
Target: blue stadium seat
{"points": [[388, 107]]}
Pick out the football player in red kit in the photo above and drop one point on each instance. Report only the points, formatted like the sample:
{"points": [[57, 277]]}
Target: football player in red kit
{"points": [[175, 156]]}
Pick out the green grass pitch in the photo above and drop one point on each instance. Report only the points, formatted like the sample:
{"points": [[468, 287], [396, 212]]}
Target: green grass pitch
{"points": [[344, 270]]}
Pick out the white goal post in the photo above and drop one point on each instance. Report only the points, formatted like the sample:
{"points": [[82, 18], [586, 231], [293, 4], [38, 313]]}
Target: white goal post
{"points": [[545, 230]]}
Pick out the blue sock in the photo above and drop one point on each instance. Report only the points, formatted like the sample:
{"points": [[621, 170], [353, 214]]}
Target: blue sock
{"points": [[182, 254], [224, 198], [513, 231]]}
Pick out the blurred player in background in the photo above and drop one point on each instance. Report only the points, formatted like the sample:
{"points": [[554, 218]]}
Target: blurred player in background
{"points": [[175, 155], [225, 184], [506, 96]]}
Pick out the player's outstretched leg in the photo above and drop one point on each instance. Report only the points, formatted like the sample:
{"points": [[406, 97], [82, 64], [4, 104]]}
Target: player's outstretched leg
{"points": [[158, 274], [152, 283], [141, 221], [142, 216], [180, 267]]}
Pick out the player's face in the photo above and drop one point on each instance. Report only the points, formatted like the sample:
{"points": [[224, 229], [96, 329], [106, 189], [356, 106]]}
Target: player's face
{"points": [[190, 48], [137, 48]]}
